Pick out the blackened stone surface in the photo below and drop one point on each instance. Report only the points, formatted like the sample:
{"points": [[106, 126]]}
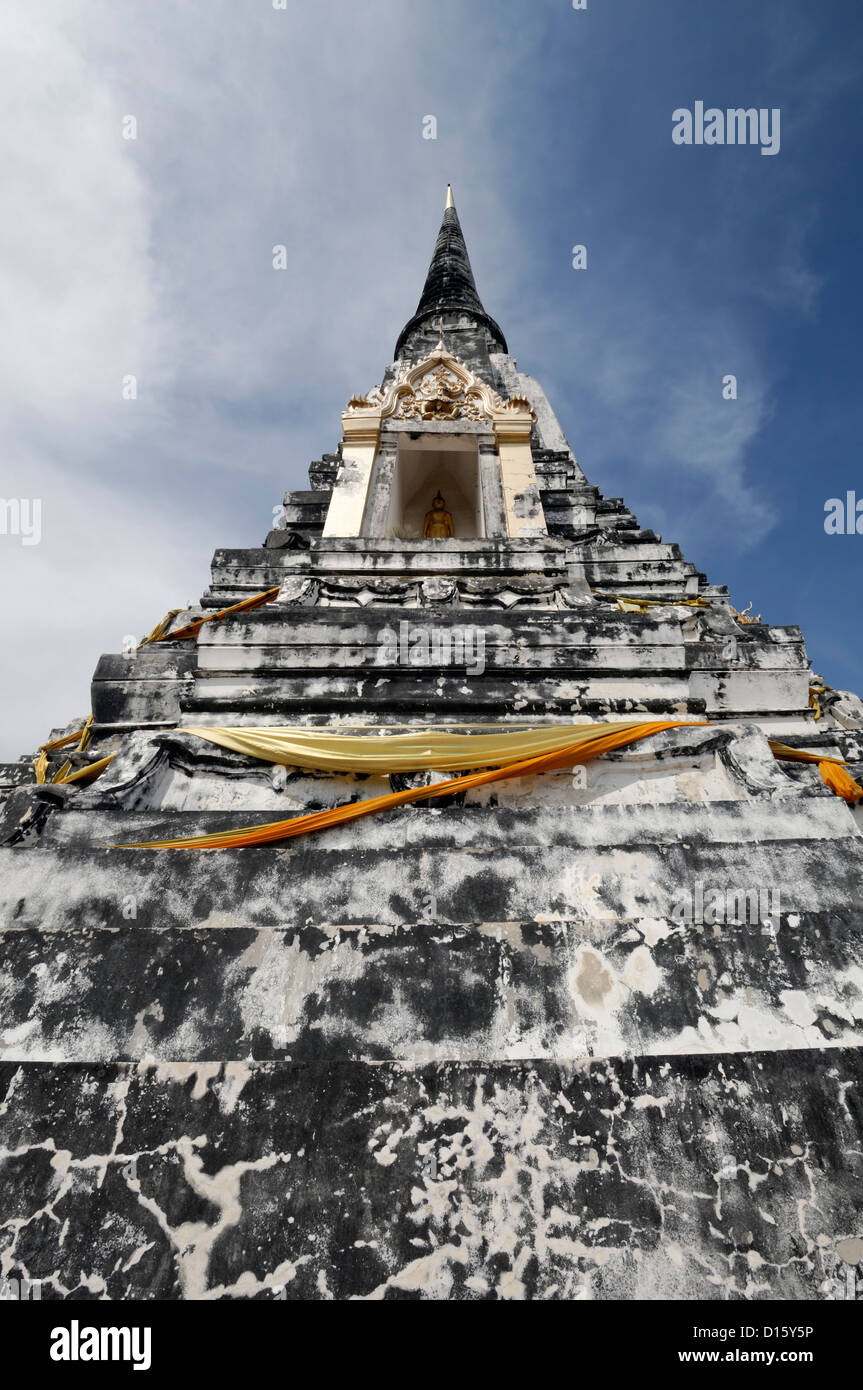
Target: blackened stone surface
{"points": [[424, 991], [475, 874], [450, 287], [676, 1178]]}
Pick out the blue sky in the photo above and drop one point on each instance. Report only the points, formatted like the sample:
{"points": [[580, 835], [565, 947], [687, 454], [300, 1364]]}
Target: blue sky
{"points": [[304, 127]]}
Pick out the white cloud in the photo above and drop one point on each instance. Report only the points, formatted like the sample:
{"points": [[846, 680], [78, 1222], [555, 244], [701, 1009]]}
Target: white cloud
{"points": [[154, 257]]}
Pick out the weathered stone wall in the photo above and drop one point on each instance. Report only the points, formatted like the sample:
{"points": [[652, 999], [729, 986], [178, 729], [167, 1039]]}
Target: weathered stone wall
{"points": [[673, 1178], [490, 1046]]}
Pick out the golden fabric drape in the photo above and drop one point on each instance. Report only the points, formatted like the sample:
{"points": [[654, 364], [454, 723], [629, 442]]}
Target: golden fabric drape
{"points": [[578, 744], [514, 753], [441, 749]]}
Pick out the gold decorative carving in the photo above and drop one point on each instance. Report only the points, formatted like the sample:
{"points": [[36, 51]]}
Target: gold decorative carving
{"points": [[440, 387], [440, 395]]}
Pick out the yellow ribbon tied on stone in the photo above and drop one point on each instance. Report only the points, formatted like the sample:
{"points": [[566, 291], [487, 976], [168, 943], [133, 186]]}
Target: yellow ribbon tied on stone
{"points": [[64, 774], [832, 770], [160, 632]]}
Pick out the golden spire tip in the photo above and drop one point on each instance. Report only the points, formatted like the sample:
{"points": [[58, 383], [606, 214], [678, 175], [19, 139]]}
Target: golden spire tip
{"points": [[449, 201]]}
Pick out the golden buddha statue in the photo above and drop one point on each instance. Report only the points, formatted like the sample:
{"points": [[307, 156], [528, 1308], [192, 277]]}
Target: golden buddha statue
{"points": [[438, 523]]}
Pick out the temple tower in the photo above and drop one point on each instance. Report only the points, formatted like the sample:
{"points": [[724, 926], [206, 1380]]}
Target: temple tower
{"points": [[592, 1032]]}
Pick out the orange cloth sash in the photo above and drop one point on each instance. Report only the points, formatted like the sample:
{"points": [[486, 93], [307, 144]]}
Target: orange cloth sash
{"points": [[247, 604]]}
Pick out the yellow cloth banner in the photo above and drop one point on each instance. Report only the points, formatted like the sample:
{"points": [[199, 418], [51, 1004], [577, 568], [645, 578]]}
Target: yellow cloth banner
{"points": [[570, 744]]}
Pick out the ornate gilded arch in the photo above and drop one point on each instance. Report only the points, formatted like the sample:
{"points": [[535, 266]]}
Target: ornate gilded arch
{"points": [[440, 387]]}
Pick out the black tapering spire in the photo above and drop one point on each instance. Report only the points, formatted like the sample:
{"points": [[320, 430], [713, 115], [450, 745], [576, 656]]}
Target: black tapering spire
{"points": [[450, 287]]}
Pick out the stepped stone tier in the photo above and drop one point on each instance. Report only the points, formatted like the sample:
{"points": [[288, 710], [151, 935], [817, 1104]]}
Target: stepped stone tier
{"points": [[495, 1045]]}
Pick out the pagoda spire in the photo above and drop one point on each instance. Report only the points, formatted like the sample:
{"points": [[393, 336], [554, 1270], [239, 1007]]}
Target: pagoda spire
{"points": [[450, 287]]}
